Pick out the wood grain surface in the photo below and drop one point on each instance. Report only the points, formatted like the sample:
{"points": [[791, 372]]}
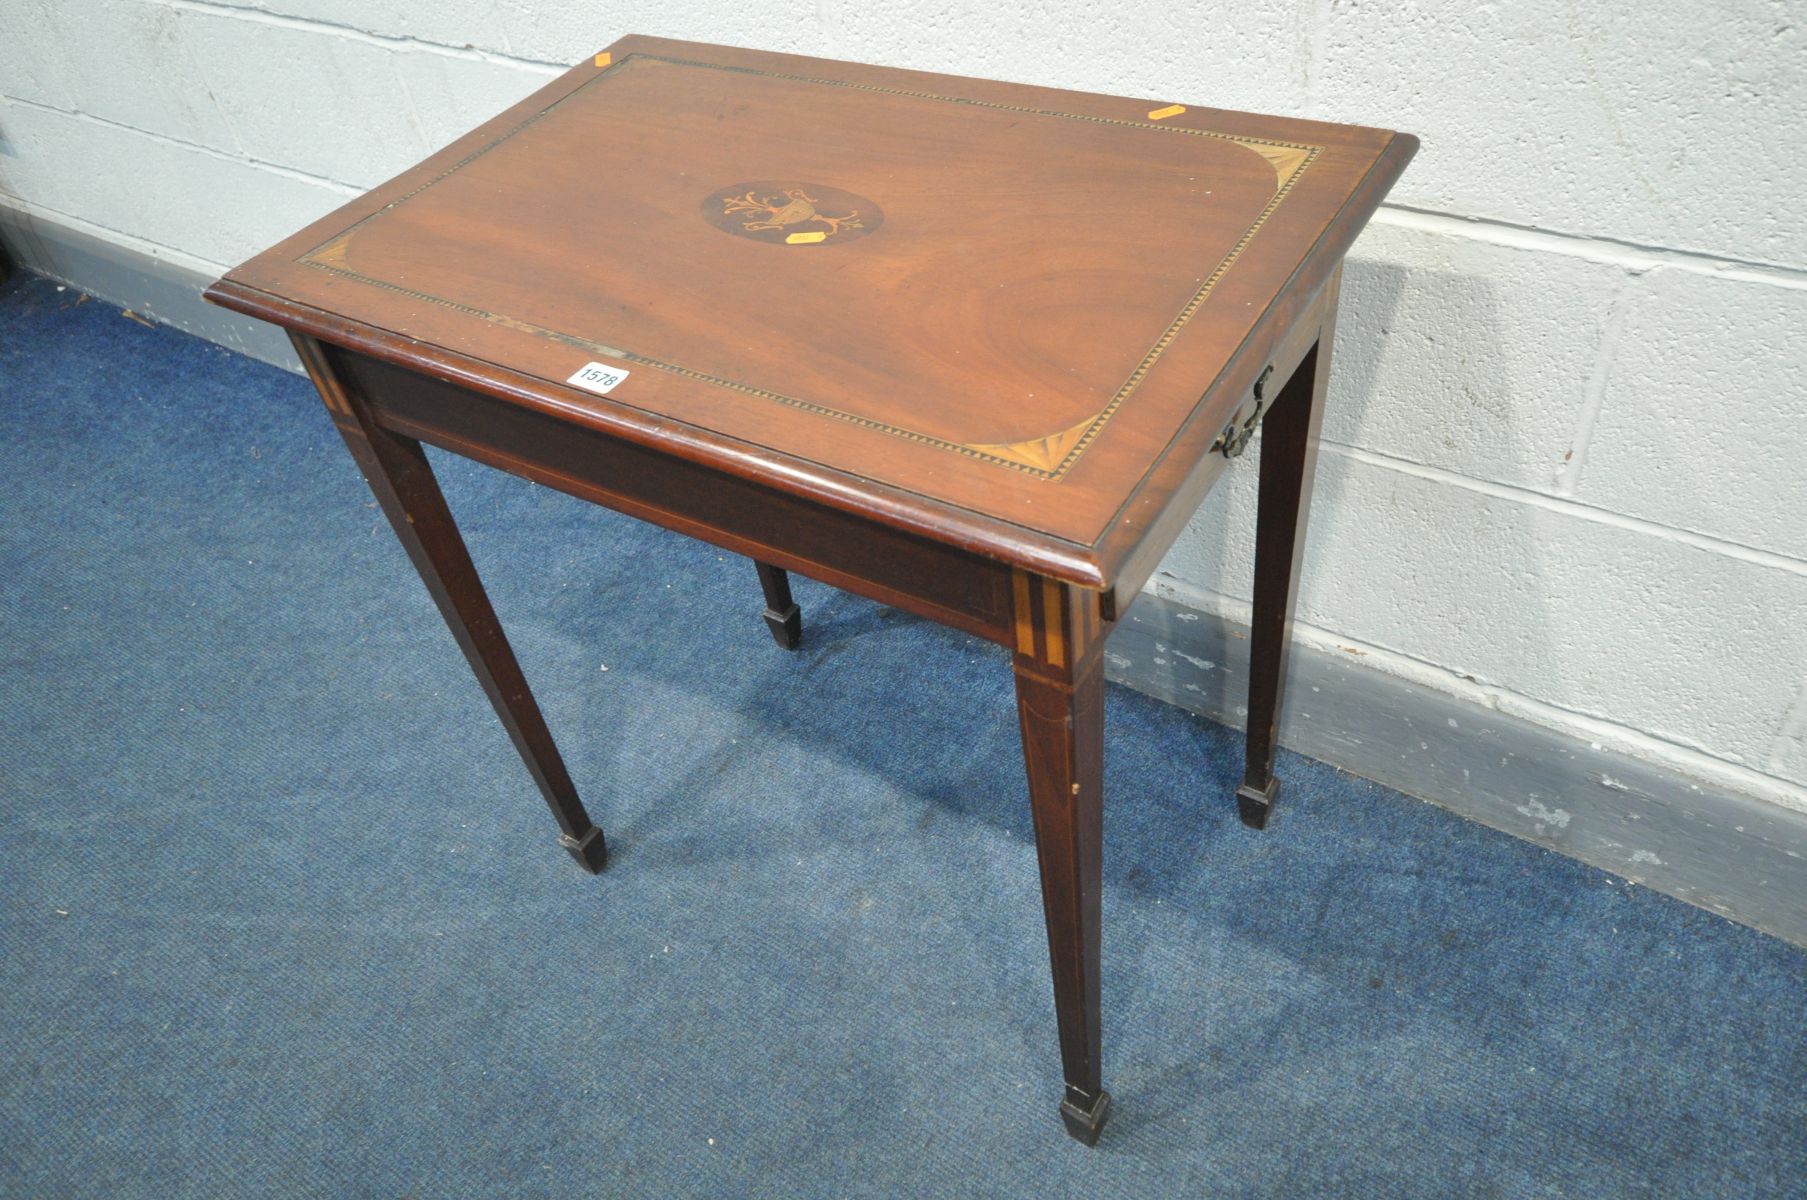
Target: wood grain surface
{"points": [[1005, 317]]}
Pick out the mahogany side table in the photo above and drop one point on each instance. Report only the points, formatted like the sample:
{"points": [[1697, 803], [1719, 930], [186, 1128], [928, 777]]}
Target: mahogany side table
{"points": [[972, 349]]}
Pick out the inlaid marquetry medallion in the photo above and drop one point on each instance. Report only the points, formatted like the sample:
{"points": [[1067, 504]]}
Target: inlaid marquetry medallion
{"points": [[791, 213]]}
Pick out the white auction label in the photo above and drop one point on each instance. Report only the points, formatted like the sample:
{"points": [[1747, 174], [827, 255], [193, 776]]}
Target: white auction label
{"points": [[598, 377]]}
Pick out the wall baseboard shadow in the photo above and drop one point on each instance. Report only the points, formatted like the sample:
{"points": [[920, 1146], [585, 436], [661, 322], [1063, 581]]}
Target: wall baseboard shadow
{"points": [[1733, 854], [152, 287], [1727, 852]]}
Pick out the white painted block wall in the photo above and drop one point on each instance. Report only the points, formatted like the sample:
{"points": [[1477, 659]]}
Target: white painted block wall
{"points": [[1568, 431]]}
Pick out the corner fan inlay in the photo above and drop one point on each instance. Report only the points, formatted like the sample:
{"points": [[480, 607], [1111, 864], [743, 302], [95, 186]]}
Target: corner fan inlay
{"points": [[1050, 456]]}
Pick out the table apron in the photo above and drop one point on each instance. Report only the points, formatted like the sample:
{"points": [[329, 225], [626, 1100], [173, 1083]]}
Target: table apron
{"points": [[931, 579], [1273, 351]]}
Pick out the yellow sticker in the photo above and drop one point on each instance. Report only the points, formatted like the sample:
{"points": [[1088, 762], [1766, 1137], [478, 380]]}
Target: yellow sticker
{"points": [[802, 239], [1172, 110], [603, 59]]}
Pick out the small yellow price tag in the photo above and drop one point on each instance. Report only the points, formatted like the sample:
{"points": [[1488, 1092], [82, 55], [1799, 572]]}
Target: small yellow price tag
{"points": [[603, 59], [1172, 110], [803, 239]]}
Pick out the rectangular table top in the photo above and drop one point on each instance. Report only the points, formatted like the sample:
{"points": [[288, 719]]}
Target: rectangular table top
{"points": [[981, 311]]}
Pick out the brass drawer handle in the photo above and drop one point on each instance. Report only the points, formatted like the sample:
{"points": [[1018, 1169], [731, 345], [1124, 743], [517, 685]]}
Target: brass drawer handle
{"points": [[1235, 436]]}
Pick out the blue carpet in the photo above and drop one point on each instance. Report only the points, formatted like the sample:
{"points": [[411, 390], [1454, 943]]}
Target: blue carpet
{"points": [[284, 916]]}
